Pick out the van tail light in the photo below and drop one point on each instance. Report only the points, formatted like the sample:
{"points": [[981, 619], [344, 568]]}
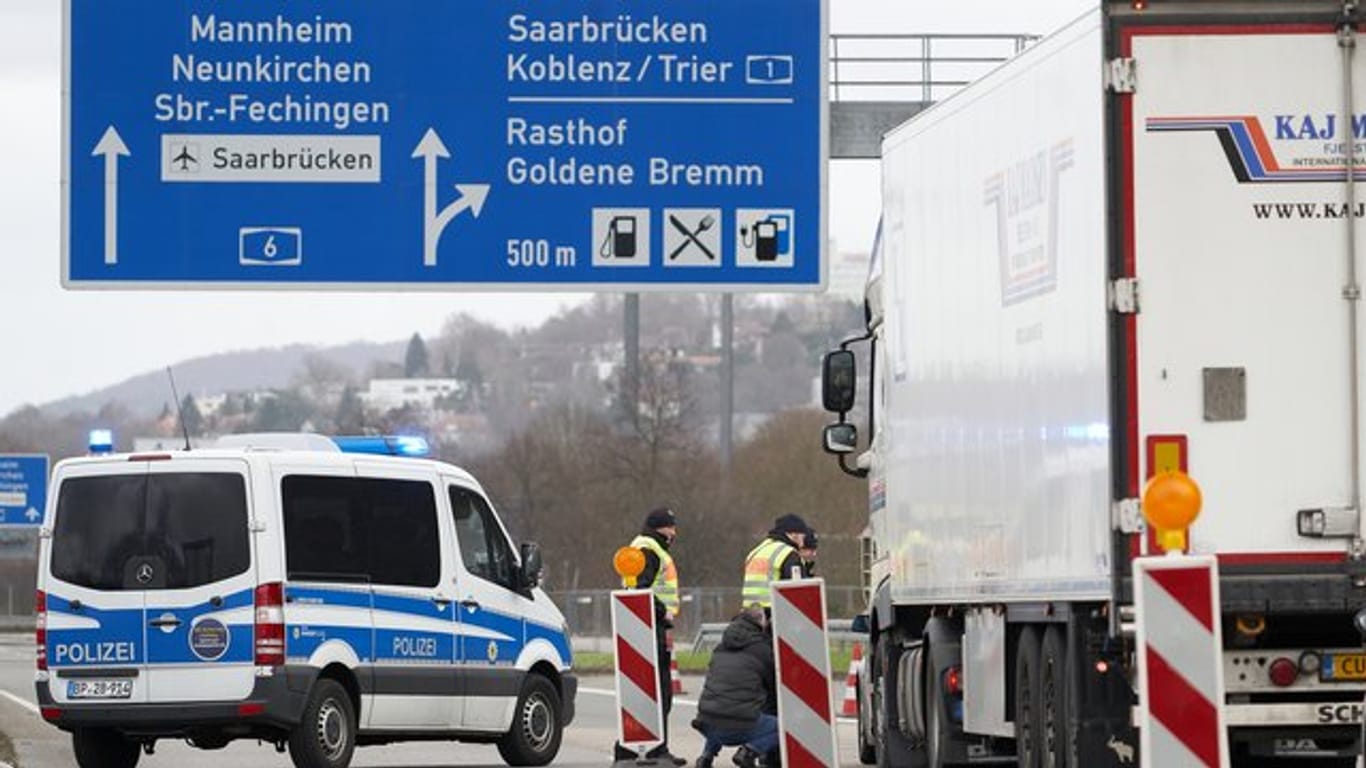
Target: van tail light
{"points": [[270, 625], [40, 633]]}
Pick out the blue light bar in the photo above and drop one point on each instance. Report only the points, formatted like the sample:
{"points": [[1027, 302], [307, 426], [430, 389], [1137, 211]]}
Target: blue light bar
{"points": [[411, 446], [101, 441]]}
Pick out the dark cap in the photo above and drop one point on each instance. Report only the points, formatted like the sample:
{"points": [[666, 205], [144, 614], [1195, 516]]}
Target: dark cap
{"points": [[660, 518], [790, 524], [810, 542]]}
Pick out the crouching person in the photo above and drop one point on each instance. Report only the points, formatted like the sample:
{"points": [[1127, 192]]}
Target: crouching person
{"points": [[738, 698]]}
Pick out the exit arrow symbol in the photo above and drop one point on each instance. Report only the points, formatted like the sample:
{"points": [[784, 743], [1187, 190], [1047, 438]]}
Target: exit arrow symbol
{"points": [[112, 147], [31, 514], [472, 196]]}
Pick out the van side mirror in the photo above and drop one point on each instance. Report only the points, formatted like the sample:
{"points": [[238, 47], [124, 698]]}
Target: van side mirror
{"points": [[840, 438], [860, 625], [839, 380], [531, 565]]}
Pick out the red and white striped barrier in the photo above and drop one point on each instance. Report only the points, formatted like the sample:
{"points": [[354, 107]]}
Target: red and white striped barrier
{"points": [[640, 709], [849, 707], [801, 645], [1180, 663]]}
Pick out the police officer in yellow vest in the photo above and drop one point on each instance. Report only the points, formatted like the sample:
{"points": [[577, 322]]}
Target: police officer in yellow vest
{"points": [[774, 559], [661, 576]]}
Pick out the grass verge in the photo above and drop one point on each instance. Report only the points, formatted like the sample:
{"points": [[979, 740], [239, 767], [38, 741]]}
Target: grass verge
{"points": [[7, 753]]}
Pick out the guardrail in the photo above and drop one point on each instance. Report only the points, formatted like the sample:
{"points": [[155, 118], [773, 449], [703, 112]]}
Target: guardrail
{"points": [[840, 630], [924, 68]]}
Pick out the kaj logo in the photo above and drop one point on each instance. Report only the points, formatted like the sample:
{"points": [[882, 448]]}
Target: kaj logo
{"points": [[1025, 199], [1278, 148], [145, 574], [493, 652]]}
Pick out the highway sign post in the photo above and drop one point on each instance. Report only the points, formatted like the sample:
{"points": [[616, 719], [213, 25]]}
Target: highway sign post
{"points": [[482, 144], [23, 490]]}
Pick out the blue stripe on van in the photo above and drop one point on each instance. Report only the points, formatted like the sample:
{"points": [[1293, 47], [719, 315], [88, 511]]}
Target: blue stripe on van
{"points": [[555, 637]]}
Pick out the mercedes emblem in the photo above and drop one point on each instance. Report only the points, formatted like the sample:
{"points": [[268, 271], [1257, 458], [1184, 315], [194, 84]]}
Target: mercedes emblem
{"points": [[144, 573]]}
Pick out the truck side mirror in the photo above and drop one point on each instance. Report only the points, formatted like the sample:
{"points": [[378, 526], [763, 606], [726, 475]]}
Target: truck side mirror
{"points": [[531, 565], [840, 438], [839, 379], [860, 625]]}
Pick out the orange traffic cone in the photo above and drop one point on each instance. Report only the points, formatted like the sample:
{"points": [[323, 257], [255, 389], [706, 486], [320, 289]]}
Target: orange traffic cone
{"points": [[675, 678], [849, 707]]}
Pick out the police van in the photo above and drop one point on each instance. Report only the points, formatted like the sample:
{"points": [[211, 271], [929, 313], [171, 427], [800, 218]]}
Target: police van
{"points": [[314, 593]]}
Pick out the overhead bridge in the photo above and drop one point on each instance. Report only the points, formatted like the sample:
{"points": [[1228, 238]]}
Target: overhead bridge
{"points": [[879, 81]]}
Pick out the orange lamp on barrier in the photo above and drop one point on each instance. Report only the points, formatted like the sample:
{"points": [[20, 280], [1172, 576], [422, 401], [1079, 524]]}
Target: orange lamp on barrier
{"points": [[1171, 502], [628, 562]]}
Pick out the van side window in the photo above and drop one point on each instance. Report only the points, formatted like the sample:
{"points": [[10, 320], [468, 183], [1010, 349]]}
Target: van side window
{"points": [[361, 530], [483, 546]]}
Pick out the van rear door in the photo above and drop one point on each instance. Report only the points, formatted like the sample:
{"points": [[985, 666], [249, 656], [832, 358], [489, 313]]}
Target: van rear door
{"points": [[95, 617], [199, 600]]}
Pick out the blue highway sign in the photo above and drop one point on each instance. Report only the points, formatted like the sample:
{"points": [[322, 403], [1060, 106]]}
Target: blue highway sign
{"points": [[477, 144], [23, 489]]}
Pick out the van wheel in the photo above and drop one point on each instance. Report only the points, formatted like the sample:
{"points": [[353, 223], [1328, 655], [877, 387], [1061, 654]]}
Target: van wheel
{"points": [[326, 736], [98, 748], [536, 730]]}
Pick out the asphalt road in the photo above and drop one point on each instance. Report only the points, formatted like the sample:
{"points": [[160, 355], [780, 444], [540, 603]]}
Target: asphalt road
{"points": [[587, 742]]}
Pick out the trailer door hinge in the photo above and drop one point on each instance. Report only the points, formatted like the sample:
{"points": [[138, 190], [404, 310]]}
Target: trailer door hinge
{"points": [[1121, 75], [1124, 296], [1127, 516]]}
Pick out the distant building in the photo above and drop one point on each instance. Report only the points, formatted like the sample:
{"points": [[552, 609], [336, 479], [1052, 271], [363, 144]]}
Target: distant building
{"points": [[388, 394]]}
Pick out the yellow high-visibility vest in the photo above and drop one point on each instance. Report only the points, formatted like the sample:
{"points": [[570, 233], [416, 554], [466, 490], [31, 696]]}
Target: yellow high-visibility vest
{"points": [[665, 585], [761, 570]]}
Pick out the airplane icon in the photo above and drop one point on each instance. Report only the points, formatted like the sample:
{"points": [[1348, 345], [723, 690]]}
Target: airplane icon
{"points": [[185, 159]]}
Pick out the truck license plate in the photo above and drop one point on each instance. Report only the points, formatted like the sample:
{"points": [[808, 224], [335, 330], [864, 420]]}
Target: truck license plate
{"points": [[1343, 667], [99, 689]]}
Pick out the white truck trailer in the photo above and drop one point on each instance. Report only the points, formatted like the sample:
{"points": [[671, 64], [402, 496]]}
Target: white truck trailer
{"points": [[1132, 248]]}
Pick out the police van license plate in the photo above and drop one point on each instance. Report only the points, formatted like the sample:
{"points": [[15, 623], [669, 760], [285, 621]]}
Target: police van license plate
{"points": [[99, 689], [1343, 668]]}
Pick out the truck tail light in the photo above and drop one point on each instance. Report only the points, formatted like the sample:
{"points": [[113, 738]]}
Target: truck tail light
{"points": [[40, 633], [953, 681], [1284, 672], [270, 625]]}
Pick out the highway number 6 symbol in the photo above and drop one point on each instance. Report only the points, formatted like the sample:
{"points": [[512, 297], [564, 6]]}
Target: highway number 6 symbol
{"points": [[271, 249]]}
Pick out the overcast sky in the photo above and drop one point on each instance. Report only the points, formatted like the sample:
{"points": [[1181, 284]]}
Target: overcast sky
{"points": [[60, 343]]}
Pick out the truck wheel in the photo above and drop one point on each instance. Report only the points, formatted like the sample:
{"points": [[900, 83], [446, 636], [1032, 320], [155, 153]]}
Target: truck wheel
{"points": [[1053, 700], [535, 736], [867, 750], [1027, 730], [100, 748], [326, 736], [934, 716], [892, 746]]}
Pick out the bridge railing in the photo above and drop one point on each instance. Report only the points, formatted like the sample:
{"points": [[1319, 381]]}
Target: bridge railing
{"points": [[914, 68]]}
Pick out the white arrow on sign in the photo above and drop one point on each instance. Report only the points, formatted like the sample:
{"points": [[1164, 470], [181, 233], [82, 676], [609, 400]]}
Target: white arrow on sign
{"points": [[112, 147], [472, 196], [31, 514]]}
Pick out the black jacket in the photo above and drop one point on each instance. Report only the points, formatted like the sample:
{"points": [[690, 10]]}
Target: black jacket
{"points": [[740, 680]]}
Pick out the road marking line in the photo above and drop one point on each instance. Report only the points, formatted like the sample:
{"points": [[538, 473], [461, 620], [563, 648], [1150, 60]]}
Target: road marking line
{"points": [[25, 703], [607, 692]]}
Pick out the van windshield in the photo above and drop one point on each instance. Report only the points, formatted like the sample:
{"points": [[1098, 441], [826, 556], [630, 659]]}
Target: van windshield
{"points": [[190, 528]]}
